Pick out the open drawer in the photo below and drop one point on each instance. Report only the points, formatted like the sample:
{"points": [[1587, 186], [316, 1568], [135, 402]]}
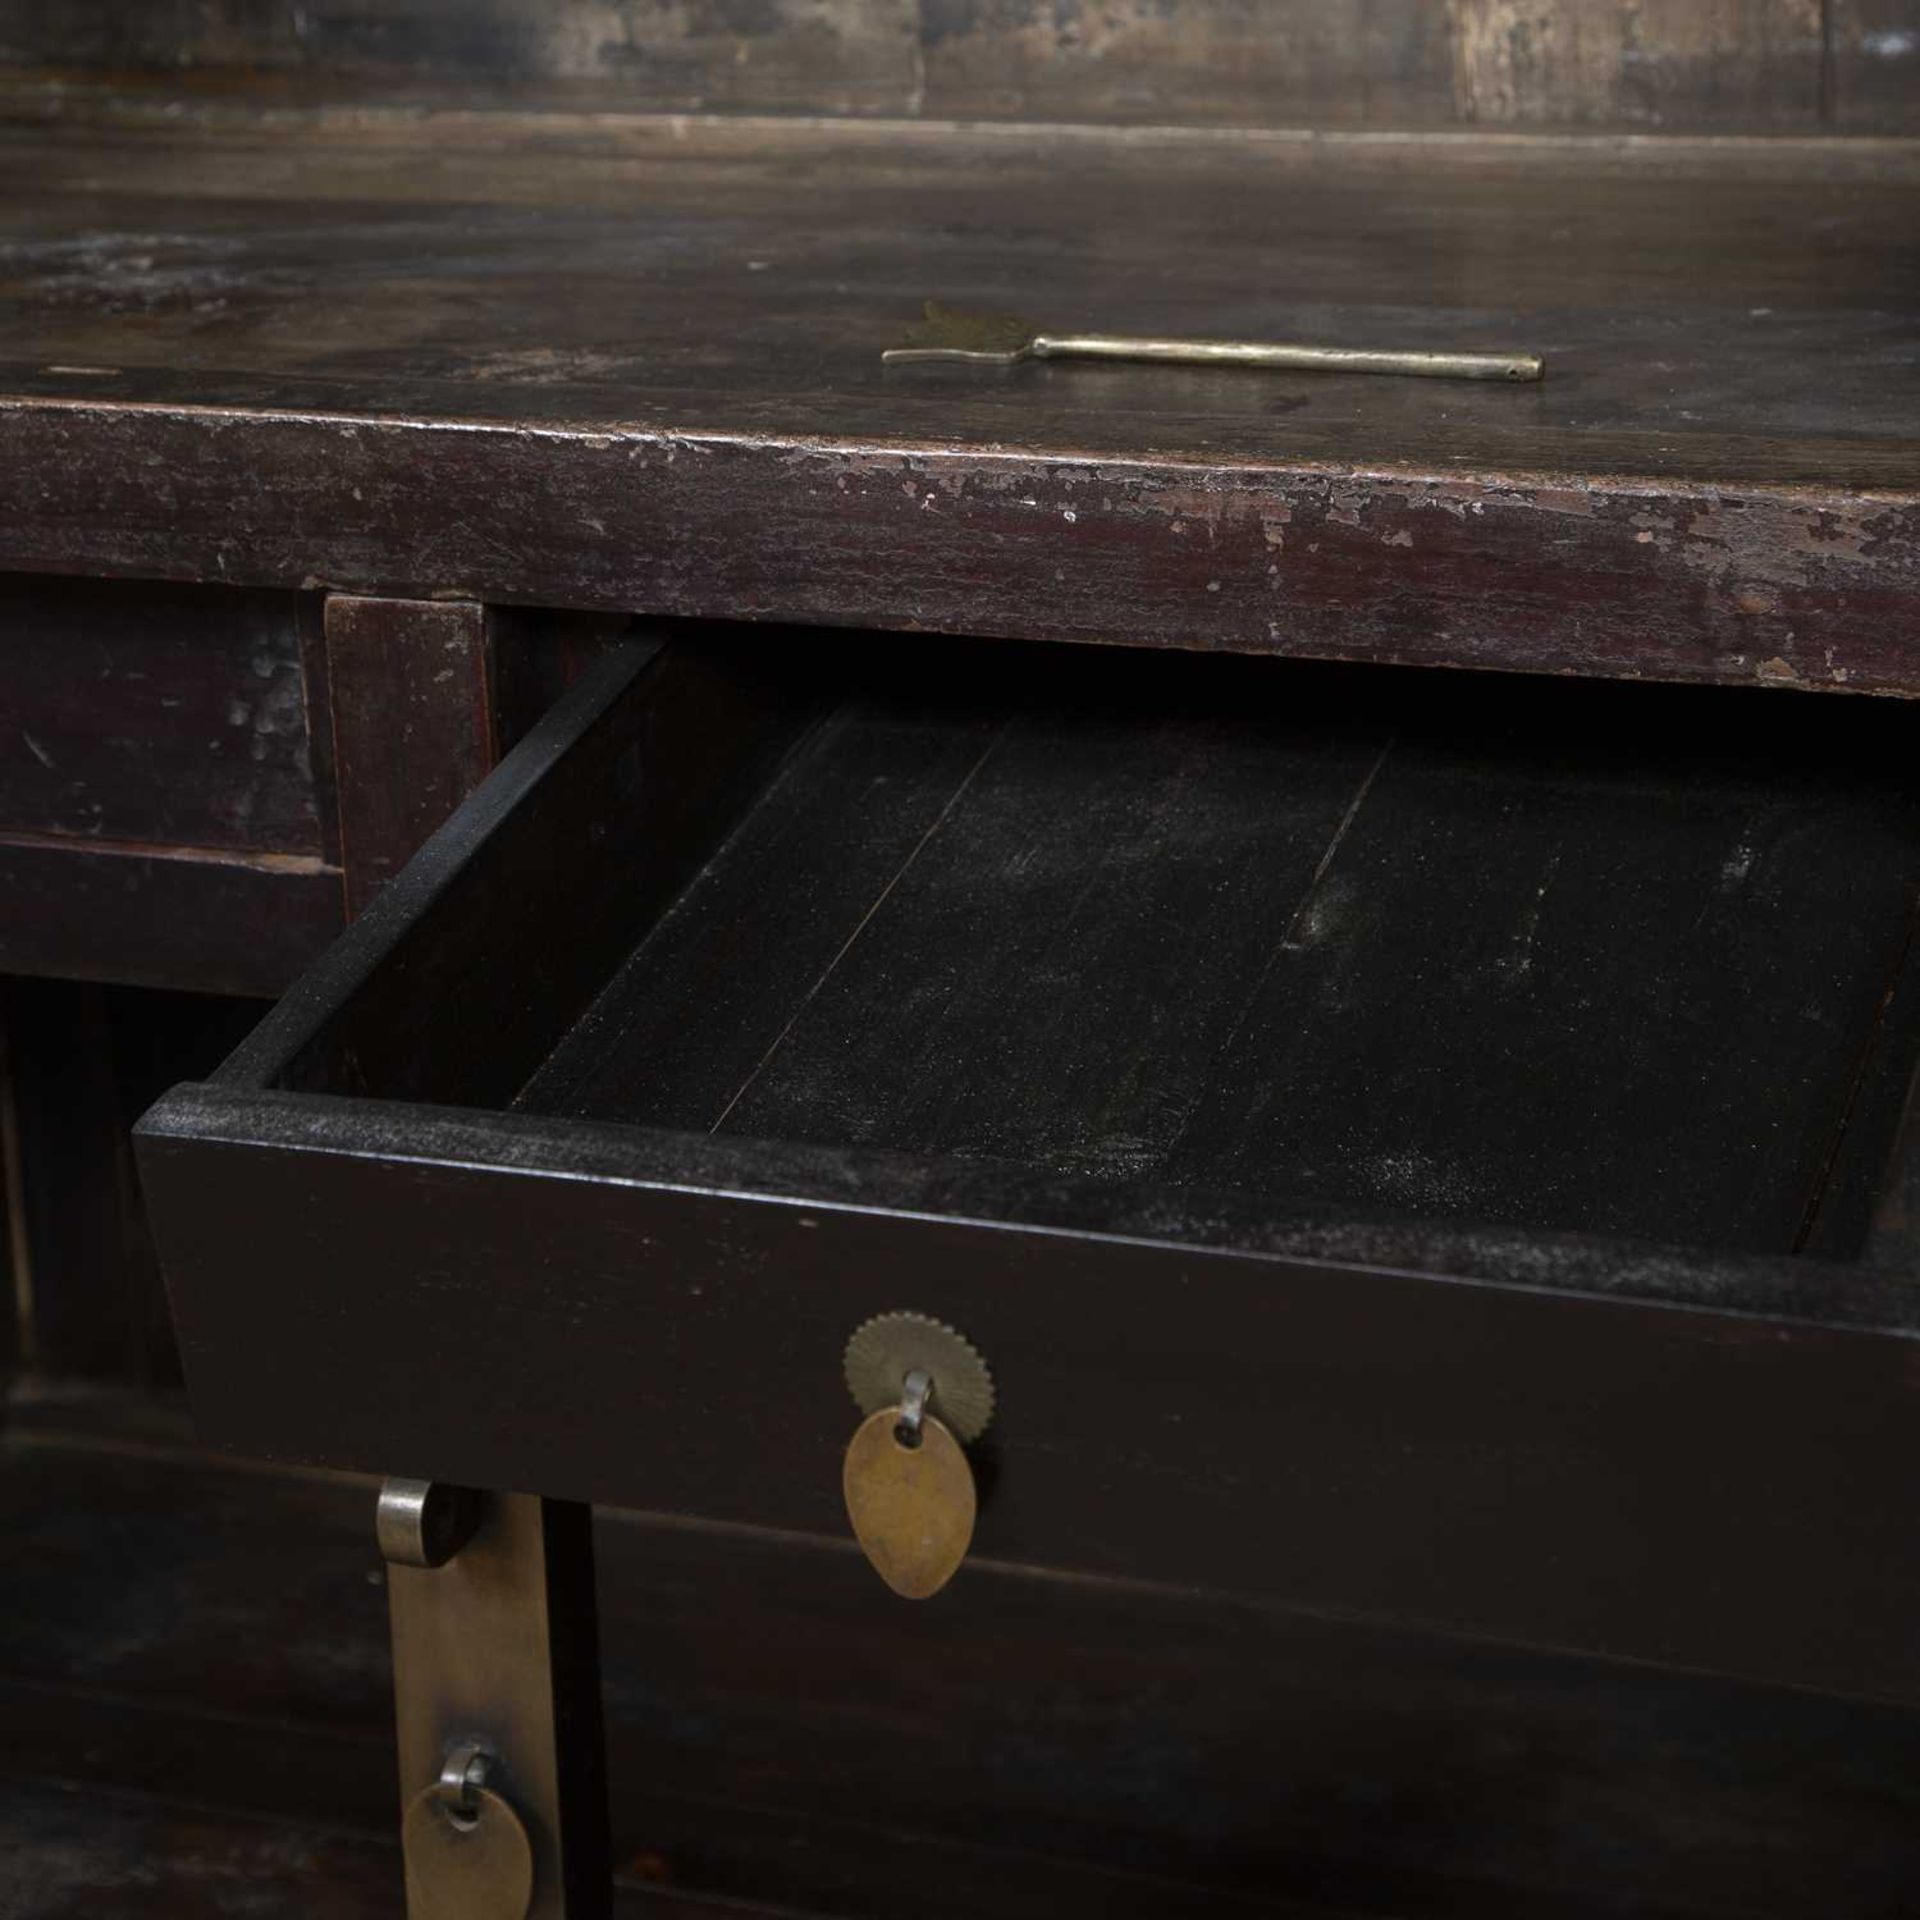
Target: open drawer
{"points": [[1419, 1146]]}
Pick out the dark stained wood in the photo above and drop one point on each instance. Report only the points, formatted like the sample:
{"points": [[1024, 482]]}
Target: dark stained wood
{"points": [[1576, 1442], [1593, 1466], [90, 1295], [538, 654], [345, 360], [164, 917], [161, 797], [1894, 1242], [1091, 1747], [82, 1063], [670, 747], [1752, 65], [1547, 956], [165, 714], [1029, 972], [411, 699], [1876, 64], [1869, 1206], [76, 1857], [1740, 64]]}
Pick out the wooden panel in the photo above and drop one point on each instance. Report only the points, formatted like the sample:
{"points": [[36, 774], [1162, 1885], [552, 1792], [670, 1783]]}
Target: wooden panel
{"points": [[166, 714], [458, 427], [1238, 62], [1625, 1475], [1099, 1748], [164, 918], [829, 56], [1740, 64], [1749, 64], [597, 840], [1876, 65], [410, 689]]}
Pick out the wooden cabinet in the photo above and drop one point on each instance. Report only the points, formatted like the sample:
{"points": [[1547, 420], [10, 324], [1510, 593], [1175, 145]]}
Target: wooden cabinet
{"points": [[1354, 936]]}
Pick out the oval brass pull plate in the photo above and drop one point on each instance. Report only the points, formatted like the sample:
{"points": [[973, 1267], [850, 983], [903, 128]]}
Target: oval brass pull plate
{"points": [[912, 1508], [478, 1867]]}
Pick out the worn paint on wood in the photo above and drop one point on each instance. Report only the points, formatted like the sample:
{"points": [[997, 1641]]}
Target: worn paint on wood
{"points": [[828, 56], [512, 402], [1727, 63], [163, 916], [1876, 65], [172, 715], [1755, 65], [1374, 62], [1788, 588]]}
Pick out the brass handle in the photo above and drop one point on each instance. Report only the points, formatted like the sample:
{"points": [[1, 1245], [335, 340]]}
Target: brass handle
{"points": [[1255, 353], [906, 1478], [468, 1855], [1004, 340]]}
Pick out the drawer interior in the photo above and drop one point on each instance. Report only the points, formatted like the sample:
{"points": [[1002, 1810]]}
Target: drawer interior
{"points": [[1545, 954]]}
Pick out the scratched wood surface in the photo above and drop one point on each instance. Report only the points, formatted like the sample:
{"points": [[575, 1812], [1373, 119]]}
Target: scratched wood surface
{"points": [[551, 361], [175, 716], [1749, 65], [1590, 960]]}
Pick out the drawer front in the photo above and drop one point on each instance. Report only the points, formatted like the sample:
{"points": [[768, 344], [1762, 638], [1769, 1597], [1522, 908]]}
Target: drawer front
{"points": [[511, 1303]]}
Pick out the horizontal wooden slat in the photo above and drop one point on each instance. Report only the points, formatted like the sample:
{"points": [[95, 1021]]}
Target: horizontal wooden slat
{"points": [[164, 917], [1737, 64]]}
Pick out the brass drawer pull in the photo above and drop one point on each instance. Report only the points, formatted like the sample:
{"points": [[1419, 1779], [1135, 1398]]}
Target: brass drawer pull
{"points": [[909, 1488]]}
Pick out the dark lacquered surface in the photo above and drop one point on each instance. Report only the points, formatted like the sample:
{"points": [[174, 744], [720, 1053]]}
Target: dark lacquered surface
{"points": [[635, 364]]}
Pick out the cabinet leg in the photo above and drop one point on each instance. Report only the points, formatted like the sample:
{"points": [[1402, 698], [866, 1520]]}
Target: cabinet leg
{"points": [[495, 1653]]}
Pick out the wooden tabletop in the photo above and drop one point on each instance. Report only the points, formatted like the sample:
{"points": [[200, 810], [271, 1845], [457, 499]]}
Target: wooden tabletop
{"points": [[635, 362]]}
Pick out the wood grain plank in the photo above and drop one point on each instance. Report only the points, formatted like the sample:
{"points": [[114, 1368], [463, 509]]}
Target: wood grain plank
{"points": [[1048, 984], [1610, 978], [747, 950], [1498, 951]]}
